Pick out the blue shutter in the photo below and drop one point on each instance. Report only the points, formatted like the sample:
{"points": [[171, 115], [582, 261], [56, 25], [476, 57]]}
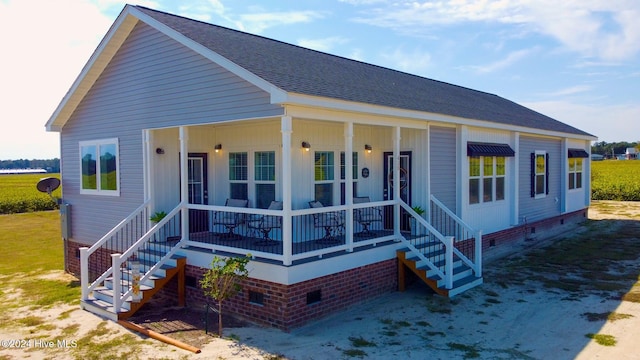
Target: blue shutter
{"points": [[533, 174]]}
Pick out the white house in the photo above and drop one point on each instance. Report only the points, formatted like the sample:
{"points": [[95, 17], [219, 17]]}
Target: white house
{"points": [[310, 162]]}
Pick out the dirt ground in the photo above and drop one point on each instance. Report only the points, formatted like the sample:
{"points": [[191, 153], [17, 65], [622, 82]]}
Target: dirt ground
{"points": [[525, 310]]}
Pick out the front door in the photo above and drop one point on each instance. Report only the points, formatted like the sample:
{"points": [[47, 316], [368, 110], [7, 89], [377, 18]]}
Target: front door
{"points": [[198, 193], [405, 188]]}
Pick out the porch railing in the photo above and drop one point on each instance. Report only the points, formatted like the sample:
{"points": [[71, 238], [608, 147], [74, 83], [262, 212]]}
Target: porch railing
{"points": [[314, 232], [468, 241], [120, 246], [95, 261]]}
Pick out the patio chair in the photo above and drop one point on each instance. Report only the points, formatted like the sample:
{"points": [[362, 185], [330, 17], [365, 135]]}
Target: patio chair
{"points": [[266, 223], [332, 222], [229, 219], [366, 216]]}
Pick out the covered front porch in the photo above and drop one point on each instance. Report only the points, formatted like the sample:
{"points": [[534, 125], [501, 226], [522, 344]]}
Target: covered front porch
{"points": [[230, 176], [253, 187]]}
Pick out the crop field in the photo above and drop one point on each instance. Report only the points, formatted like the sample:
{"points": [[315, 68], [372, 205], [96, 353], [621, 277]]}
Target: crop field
{"points": [[615, 180], [18, 194]]}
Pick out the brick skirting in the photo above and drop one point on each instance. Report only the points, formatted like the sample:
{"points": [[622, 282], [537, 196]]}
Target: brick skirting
{"points": [[289, 306]]}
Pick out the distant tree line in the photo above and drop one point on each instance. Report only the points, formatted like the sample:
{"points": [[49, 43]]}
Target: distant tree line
{"points": [[51, 165], [612, 149]]}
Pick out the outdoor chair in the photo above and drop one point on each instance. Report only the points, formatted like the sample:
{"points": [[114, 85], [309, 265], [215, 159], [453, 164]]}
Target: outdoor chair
{"points": [[366, 216], [229, 219], [332, 222], [266, 223]]}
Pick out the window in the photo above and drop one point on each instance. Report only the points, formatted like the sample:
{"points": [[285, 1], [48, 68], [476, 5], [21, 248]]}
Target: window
{"points": [[265, 177], [575, 173], [576, 161], [323, 176], [100, 173], [238, 175], [343, 194], [486, 179], [539, 174]]}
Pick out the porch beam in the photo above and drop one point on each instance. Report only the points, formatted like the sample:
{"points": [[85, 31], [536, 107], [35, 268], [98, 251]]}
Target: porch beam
{"points": [[396, 180], [184, 178], [287, 248], [348, 186]]}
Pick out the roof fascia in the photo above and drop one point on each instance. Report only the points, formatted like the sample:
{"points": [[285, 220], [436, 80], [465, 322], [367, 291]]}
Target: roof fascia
{"points": [[274, 91], [98, 61], [396, 113]]}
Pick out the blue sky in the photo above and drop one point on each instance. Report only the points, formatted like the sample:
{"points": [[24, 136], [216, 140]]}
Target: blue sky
{"points": [[577, 61]]}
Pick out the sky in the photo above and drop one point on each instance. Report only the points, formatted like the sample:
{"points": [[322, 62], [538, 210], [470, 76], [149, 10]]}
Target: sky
{"points": [[577, 61]]}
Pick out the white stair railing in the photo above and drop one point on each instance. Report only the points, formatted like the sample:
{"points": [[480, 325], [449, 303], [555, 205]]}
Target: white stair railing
{"points": [[468, 243]]}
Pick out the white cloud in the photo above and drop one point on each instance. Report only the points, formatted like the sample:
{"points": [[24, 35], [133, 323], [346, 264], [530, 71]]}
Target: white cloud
{"points": [[511, 59], [414, 62], [603, 29], [45, 44], [571, 90], [258, 22], [609, 123], [325, 44]]}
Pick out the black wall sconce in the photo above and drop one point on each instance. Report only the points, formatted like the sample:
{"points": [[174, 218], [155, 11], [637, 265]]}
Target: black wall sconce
{"points": [[306, 146], [368, 148], [159, 151], [218, 147]]}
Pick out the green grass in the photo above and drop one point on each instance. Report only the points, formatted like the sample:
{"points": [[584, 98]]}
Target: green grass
{"points": [[615, 180], [18, 194], [34, 242], [602, 339]]}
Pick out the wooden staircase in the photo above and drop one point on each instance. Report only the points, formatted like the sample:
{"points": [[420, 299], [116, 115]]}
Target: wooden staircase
{"points": [[100, 300], [463, 276]]}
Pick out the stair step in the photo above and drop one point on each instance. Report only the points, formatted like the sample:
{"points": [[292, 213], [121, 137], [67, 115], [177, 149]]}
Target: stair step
{"points": [[465, 284], [99, 307]]}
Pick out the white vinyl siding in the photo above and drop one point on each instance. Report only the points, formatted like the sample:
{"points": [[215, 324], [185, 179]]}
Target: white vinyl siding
{"points": [[151, 82]]}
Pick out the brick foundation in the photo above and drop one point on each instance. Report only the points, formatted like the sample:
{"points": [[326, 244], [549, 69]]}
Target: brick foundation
{"points": [[286, 306], [501, 243], [289, 306]]}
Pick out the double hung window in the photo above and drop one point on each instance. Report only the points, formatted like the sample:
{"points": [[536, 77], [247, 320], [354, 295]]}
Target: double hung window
{"points": [[99, 164], [486, 179], [324, 176]]}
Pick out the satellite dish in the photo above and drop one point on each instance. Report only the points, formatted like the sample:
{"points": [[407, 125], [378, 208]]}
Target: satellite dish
{"points": [[48, 185]]}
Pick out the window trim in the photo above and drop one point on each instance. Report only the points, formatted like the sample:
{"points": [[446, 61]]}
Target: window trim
{"points": [[98, 143], [482, 177], [575, 173], [534, 174]]}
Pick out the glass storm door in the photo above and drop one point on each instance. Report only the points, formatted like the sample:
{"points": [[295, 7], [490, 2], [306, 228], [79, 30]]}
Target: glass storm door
{"points": [[198, 193], [405, 188]]}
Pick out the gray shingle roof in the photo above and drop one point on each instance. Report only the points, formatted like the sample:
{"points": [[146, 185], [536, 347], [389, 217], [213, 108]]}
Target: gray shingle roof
{"points": [[299, 70]]}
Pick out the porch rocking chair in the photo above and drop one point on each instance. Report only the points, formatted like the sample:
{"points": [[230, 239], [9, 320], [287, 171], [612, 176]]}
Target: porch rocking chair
{"points": [[230, 220], [266, 223], [332, 222], [366, 216]]}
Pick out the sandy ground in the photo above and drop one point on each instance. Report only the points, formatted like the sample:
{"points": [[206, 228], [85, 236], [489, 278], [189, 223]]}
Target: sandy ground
{"points": [[523, 321]]}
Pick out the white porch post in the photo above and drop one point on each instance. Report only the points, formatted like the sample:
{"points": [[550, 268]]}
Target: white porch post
{"points": [[117, 282], [84, 273], [184, 178], [348, 183], [287, 247], [148, 169], [396, 180]]}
